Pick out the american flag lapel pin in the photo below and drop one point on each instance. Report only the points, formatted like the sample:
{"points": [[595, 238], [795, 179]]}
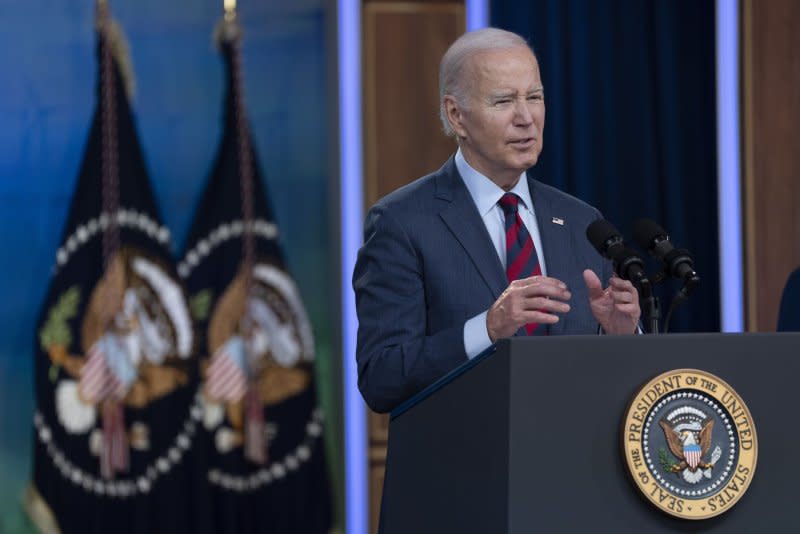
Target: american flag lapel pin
{"points": [[558, 220]]}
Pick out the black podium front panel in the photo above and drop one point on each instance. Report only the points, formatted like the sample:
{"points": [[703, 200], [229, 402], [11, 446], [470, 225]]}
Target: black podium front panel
{"points": [[528, 440]]}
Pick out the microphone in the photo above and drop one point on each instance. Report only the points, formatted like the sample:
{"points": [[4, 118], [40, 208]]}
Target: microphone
{"points": [[678, 262], [608, 242]]}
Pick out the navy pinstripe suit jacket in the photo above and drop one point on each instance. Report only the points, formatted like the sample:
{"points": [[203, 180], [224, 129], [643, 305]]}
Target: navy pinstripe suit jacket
{"points": [[428, 265]]}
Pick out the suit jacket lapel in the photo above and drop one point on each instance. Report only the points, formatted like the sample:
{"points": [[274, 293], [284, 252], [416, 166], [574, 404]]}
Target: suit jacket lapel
{"points": [[461, 216], [556, 240]]}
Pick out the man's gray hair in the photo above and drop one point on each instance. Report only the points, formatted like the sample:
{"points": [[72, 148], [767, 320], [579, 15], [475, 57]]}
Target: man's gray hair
{"points": [[452, 79]]}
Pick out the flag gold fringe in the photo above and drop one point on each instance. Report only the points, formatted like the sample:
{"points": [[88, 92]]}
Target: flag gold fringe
{"points": [[39, 512]]}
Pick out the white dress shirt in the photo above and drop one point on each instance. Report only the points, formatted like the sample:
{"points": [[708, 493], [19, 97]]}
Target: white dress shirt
{"points": [[486, 194]]}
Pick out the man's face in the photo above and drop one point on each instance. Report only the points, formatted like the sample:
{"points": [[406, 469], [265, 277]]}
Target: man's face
{"points": [[502, 125]]}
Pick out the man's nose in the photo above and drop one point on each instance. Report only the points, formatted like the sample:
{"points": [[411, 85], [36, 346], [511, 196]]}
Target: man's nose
{"points": [[522, 114]]}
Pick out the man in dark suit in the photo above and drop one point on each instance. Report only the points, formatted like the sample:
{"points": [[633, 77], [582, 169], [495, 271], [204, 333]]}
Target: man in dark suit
{"points": [[478, 250]]}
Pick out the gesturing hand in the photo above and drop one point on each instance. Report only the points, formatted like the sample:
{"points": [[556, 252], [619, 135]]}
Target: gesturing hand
{"points": [[529, 300], [616, 307]]}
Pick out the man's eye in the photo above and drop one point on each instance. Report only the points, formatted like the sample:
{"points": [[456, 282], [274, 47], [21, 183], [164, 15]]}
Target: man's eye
{"points": [[535, 98], [502, 101]]}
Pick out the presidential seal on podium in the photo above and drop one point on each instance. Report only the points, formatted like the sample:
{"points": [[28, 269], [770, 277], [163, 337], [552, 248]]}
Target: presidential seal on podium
{"points": [[690, 444]]}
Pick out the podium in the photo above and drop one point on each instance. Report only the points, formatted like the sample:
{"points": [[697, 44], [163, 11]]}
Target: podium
{"points": [[528, 438]]}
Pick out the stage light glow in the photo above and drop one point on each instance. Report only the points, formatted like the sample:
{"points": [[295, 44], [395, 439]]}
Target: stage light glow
{"points": [[729, 173], [351, 211]]}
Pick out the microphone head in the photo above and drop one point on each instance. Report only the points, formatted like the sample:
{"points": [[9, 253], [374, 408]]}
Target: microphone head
{"points": [[646, 231], [600, 232]]}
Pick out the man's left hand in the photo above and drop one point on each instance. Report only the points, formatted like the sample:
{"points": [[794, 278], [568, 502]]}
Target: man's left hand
{"points": [[616, 307]]}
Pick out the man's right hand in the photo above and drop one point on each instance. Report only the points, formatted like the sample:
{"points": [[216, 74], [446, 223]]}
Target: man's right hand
{"points": [[529, 300]]}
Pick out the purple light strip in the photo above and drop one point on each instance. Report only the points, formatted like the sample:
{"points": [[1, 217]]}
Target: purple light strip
{"points": [[477, 14], [351, 205], [729, 181]]}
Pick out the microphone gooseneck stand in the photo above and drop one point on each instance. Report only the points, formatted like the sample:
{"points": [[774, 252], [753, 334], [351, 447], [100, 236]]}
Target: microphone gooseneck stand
{"points": [[690, 282], [648, 302]]}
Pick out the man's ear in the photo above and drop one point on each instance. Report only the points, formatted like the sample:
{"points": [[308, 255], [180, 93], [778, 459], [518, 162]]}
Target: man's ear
{"points": [[455, 116]]}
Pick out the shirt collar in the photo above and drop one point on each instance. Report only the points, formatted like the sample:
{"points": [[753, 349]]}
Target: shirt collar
{"points": [[484, 192]]}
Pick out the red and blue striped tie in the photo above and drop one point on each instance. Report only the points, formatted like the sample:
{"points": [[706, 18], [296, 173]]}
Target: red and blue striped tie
{"points": [[521, 258]]}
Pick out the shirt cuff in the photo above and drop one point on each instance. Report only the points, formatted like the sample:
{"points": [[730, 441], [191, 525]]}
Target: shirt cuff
{"points": [[476, 335]]}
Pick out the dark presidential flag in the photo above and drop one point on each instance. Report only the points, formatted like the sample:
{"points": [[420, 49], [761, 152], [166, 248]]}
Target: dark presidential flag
{"points": [[115, 376], [266, 467]]}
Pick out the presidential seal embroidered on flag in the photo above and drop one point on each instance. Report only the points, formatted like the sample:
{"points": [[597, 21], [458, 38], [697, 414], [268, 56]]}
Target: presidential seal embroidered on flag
{"points": [[690, 444]]}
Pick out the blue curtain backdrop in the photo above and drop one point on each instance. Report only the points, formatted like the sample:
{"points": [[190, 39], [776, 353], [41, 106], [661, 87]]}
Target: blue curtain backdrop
{"points": [[631, 119]]}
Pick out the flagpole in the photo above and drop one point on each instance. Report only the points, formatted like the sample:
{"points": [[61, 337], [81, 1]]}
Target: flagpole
{"points": [[255, 447], [114, 455], [245, 151], [108, 155]]}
